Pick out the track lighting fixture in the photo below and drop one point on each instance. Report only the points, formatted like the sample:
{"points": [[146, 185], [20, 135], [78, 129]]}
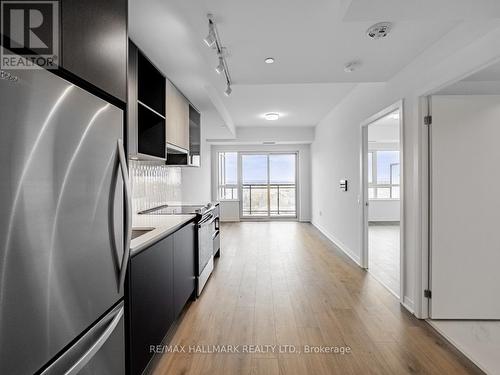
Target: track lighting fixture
{"points": [[220, 68], [213, 40], [210, 38]]}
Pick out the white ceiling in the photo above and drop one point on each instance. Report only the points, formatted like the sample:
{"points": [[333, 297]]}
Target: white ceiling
{"points": [[311, 41], [297, 104]]}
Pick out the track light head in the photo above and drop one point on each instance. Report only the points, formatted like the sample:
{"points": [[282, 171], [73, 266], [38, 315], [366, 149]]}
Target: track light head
{"points": [[220, 68], [210, 38], [228, 90]]}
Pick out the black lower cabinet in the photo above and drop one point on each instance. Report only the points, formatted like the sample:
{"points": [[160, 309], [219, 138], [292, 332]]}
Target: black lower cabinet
{"points": [[184, 267], [161, 280], [151, 290]]}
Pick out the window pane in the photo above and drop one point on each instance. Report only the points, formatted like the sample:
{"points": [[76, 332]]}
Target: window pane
{"points": [[394, 174], [384, 161], [371, 193], [231, 168], [395, 192], [370, 167], [254, 169], [254, 185], [282, 169], [383, 193]]}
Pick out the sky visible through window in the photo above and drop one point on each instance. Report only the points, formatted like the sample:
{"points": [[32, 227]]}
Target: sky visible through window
{"points": [[384, 161], [282, 169], [231, 168]]}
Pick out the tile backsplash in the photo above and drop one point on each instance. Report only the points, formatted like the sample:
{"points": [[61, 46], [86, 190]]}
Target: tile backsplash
{"points": [[154, 184]]}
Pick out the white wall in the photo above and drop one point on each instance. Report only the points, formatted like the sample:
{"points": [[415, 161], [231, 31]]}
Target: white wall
{"points": [[335, 154], [259, 134], [304, 167], [384, 210], [196, 182], [230, 210]]}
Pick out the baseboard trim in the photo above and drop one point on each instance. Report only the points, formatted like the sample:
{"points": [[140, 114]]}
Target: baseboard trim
{"points": [[408, 304], [355, 258]]}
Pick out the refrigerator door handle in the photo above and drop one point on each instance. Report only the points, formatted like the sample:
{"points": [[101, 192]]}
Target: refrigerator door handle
{"points": [[128, 213], [59, 367]]}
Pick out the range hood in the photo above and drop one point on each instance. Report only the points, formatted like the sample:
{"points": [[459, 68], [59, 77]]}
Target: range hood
{"points": [[179, 157]]}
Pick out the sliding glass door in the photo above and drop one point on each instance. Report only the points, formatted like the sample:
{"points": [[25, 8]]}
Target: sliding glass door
{"points": [[268, 185]]}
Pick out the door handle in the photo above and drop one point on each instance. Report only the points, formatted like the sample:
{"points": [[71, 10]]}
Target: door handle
{"points": [[60, 367], [87, 356], [128, 213]]}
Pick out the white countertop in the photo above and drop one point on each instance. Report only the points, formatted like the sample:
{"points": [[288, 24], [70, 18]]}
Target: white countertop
{"points": [[161, 225]]}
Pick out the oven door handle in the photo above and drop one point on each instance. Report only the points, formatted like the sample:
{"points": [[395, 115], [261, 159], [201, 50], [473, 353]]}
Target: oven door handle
{"points": [[205, 220]]}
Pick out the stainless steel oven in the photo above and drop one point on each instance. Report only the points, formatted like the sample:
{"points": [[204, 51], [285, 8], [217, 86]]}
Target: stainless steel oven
{"points": [[206, 233]]}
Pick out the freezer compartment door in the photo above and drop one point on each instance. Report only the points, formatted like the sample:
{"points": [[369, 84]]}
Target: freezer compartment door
{"points": [[100, 351], [62, 246]]}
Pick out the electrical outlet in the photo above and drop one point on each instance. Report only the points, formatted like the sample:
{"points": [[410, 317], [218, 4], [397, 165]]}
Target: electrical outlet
{"points": [[321, 213]]}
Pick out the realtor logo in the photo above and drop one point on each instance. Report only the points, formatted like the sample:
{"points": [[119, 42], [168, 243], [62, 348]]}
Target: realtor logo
{"points": [[30, 34]]}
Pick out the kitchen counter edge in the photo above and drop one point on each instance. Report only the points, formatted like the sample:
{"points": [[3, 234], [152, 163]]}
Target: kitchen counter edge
{"points": [[160, 232]]}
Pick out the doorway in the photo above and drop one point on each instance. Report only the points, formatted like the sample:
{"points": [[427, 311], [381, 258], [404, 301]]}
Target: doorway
{"points": [[382, 197], [268, 185]]}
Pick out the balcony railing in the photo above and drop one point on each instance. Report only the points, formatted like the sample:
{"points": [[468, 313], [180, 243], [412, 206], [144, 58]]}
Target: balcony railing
{"points": [[272, 199]]}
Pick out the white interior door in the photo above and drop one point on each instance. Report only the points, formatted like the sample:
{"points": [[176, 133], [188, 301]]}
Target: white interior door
{"points": [[465, 207]]}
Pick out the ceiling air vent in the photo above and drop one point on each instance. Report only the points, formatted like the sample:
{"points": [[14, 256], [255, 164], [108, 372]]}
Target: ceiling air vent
{"points": [[379, 30], [268, 143]]}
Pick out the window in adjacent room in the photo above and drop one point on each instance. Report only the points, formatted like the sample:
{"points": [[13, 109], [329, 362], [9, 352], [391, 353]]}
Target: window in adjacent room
{"points": [[228, 175], [383, 174]]}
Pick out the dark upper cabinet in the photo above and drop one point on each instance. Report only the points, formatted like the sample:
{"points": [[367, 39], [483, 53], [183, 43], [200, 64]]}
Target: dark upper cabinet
{"points": [[150, 295], [94, 43], [184, 266], [146, 107]]}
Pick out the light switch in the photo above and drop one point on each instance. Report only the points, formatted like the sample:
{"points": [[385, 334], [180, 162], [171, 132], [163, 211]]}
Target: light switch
{"points": [[343, 185]]}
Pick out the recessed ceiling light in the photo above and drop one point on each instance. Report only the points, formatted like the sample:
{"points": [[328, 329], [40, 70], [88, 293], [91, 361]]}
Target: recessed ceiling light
{"points": [[394, 116], [269, 60], [272, 116]]}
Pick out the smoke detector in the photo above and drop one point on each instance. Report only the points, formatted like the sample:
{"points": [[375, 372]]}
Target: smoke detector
{"points": [[379, 30]]}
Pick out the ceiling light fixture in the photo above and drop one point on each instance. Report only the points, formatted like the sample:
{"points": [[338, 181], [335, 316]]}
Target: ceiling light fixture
{"points": [[213, 40], [394, 116], [272, 116], [220, 67], [351, 66], [379, 30], [269, 60], [210, 38]]}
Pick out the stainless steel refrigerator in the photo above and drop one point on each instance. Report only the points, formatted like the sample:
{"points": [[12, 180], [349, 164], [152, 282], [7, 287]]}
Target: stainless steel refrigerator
{"points": [[63, 213]]}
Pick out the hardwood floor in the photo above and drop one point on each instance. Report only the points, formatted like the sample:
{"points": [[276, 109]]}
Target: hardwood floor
{"points": [[283, 283], [383, 249]]}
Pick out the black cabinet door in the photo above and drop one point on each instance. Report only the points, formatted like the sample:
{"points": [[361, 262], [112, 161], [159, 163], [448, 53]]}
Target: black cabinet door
{"points": [[94, 43], [150, 301], [184, 266]]}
